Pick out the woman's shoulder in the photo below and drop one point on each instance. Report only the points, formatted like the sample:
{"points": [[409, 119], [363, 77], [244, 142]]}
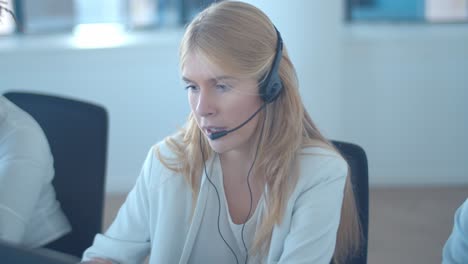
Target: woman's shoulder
{"points": [[21, 135], [167, 148], [318, 154], [319, 163]]}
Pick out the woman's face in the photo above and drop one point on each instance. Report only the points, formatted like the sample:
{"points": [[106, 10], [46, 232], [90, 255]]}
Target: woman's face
{"points": [[221, 102]]}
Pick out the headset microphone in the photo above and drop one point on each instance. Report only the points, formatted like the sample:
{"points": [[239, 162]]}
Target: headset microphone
{"points": [[223, 133], [218, 134]]}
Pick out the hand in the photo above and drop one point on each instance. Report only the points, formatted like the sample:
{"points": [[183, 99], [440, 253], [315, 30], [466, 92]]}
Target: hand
{"points": [[97, 261]]}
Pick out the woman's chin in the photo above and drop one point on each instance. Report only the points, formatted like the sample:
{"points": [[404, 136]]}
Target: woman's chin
{"points": [[218, 147]]}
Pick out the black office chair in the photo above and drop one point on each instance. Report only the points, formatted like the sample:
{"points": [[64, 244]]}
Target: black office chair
{"points": [[77, 133], [357, 161]]}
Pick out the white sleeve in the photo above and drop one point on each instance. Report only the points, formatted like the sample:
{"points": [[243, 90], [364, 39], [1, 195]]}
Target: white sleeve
{"points": [[456, 248], [316, 216], [26, 164], [128, 238]]}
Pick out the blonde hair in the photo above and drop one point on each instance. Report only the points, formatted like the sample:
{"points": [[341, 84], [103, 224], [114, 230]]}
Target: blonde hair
{"points": [[241, 39]]}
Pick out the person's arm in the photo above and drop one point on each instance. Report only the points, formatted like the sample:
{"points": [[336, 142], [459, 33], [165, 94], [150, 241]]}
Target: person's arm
{"points": [[26, 164], [456, 248], [316, 215], [97, 261], [128, 239]]}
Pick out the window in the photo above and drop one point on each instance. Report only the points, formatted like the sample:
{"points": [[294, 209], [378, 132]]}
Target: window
{"points": [[445, 11], [44, 16]]}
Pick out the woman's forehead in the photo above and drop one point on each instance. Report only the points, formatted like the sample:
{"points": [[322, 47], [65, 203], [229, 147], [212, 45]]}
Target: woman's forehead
{"points": [[198, 66]]}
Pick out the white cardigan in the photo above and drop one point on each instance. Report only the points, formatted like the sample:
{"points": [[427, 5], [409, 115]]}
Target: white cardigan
{"points": [[156, 217]]}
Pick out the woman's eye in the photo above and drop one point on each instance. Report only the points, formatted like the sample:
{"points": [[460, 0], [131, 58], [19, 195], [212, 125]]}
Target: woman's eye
{"points": [[222, 87], [191, 88]]}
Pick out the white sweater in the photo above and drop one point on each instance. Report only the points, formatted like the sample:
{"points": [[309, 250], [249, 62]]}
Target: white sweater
{"points": [[156, 217]]}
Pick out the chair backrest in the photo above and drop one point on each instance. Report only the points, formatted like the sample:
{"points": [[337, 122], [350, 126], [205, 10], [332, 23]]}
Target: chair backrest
{"points": [[357, 160], [77, 133]]}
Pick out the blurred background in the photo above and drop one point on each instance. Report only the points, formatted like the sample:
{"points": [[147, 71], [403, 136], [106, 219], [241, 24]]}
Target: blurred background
{"points": [[388, 75]]}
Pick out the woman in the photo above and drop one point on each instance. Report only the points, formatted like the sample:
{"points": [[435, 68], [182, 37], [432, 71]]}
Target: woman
{"points": [[249, 179]]}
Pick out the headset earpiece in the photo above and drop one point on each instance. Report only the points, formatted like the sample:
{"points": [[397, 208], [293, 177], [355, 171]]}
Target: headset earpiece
{"points": [[272, 86]]}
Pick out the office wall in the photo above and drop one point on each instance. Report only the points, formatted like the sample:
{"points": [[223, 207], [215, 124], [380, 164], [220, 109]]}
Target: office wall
{"points": [[397, 91], [404, 92]]}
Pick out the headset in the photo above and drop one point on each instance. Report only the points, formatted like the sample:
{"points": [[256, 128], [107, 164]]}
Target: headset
{"points": [[270, 88]]}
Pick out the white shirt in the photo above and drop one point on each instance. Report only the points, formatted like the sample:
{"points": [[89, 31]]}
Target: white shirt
{"points": [[157, 218], [29, 213], [209, 246]]}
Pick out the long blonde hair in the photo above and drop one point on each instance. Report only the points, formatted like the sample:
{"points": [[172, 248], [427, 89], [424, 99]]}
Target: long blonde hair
{"points": [[241, 39]]}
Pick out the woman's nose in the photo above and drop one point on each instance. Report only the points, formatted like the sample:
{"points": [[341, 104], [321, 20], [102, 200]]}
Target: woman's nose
{"points": [[206, 105]]}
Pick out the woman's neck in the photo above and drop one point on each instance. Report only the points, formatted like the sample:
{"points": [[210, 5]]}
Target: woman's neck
{"points": [[236, 164]]}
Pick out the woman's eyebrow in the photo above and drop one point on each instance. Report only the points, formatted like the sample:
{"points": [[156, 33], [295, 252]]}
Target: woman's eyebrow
{"points": [[225, 77], [212, 80], [187, 80]]}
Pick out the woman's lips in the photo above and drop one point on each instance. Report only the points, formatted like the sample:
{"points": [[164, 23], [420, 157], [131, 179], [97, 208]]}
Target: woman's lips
{"points": [[212, 129]]}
